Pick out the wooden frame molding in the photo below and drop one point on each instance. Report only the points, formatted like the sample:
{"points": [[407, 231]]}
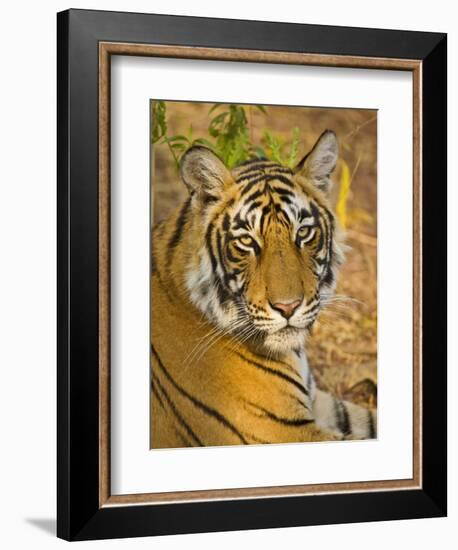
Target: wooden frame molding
{"points": [[108, 49]]}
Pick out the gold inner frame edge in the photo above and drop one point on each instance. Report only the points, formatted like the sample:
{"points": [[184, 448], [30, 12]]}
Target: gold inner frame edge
{"points": [[106, 50]]}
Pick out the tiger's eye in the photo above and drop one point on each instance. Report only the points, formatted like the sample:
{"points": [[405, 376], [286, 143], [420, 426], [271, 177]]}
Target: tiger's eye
{"points": [[304, 230], [305, 234], [246, 240]]}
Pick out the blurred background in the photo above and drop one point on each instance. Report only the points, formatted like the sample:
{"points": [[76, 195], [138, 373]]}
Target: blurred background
{"points": [[342, 348]]}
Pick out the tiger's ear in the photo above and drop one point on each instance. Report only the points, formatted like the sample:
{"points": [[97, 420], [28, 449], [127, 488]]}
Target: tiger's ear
{"points": [[203, 172], [318, 164]]}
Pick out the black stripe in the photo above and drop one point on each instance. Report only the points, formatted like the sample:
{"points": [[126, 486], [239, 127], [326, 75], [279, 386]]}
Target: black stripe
{"points": [[281, 170], [284, 200], [153, 261], [233, 274], [278, 361], [186, 442], [320, 261], [327, 222], [298, 401], [274, 172], [279, 210], [209, 410], [304, 213], [312, 309], [343, 418], [260, 318], [177, 415], [315, 212], [157, 394], [223, 293], [260, 166], [219, 248], [312, 299], [239, 223], [208, 241], [231, 257], [293, 208], [319, 245], [256, 439], [265, 212], [282, 420], [280, 177], [209, 244], [254, 195], [226, 222], [371, 424], [256, 248], [252, 206], [275, 372], [252, 176], [178, 232], [283, 192], [250, 161], [251, 184], [328, 278]]}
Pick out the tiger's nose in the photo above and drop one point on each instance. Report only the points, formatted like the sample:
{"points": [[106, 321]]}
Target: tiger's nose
{"points": [[287, 308]]}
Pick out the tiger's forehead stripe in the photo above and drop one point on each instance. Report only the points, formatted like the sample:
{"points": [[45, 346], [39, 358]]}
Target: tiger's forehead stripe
{"points": [[265, 186], [248, 185], [258, 167]]}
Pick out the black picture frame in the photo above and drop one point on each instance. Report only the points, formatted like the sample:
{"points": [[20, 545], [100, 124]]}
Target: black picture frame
{"points": [[80, 516]]}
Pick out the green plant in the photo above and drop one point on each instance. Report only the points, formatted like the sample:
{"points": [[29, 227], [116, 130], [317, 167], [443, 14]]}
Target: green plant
{"points": [[275, 148], [159, 120], [229, 130], [231, 133], [177, 144], [229, 136]]}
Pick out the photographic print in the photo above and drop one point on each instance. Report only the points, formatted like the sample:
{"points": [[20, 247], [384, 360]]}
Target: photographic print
{"points": [[263, 274], [241, 265]]}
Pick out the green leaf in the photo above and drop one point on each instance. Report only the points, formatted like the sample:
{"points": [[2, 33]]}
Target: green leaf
{"points": [[173, 139], [274, 147], [215, 106], [217, 124], [159, 121], [219, 119], [179, 147], [230, 130], [190, 138], [294, 149]]}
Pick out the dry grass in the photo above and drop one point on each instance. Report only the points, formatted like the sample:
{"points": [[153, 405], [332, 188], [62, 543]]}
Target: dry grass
{"points": [[342, 348]]}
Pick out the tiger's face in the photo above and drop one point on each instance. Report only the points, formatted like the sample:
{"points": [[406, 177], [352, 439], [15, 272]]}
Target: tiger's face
{"points": [[267, 246]]}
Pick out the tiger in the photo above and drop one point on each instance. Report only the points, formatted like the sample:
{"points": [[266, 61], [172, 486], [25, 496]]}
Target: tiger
{"points": [[240, 272]]}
